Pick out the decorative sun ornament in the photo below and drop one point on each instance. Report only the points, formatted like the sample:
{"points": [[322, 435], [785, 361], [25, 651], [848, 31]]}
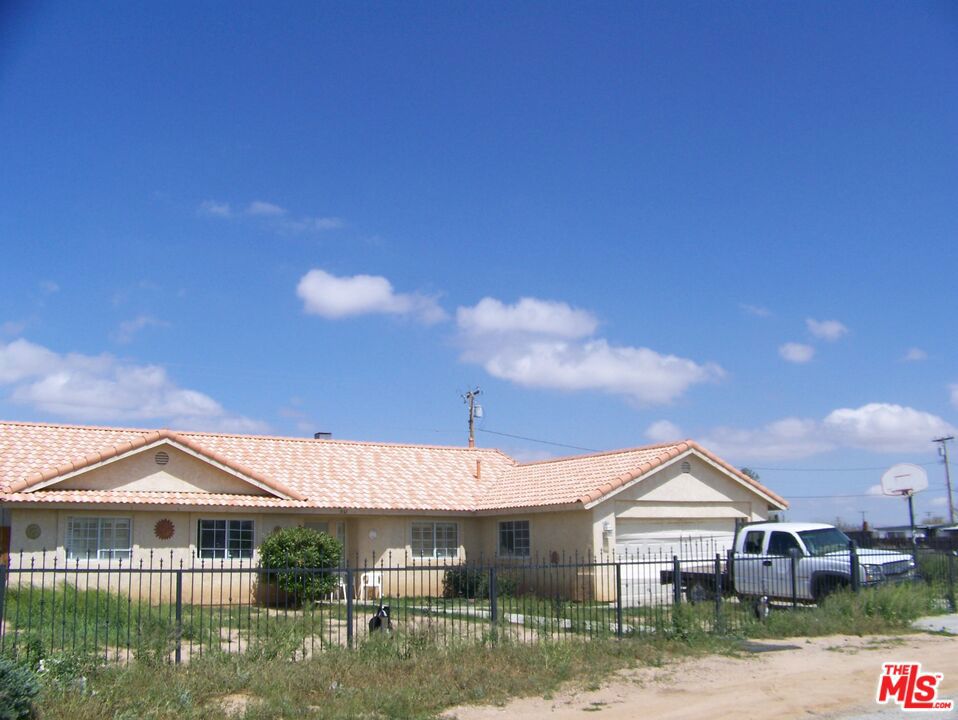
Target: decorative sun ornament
{"points": [[164, 529]]}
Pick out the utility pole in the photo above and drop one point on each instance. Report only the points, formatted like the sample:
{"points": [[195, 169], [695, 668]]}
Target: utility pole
{"points": [[943, 451], [470, 399]]}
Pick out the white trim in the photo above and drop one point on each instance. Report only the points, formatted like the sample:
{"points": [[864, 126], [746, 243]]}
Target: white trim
{"points": [[434, 556], [93, 515], [254, 546]]}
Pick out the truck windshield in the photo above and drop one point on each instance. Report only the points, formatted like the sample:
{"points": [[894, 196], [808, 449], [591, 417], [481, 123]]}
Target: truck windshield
{"points": [[825, 540]]}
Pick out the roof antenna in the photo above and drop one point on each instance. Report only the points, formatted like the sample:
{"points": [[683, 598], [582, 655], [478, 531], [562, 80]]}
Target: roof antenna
{"points": [[475, 410]]}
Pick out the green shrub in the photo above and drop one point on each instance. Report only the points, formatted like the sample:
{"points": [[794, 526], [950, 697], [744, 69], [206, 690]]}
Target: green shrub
{"points": [[465, 582], [18, 687], [300, 559], [473, 583]]}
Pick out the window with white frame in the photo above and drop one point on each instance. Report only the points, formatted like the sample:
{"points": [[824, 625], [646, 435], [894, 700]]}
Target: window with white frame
{"points": [[99, 538], [514, 538], [435, 539], [227, 539]]}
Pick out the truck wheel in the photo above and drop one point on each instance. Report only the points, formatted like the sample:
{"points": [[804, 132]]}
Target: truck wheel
{"points": [[697, 593], [826, 586]]}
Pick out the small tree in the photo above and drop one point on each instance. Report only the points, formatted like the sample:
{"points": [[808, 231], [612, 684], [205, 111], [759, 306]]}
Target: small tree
{"points": [[301, 561]]}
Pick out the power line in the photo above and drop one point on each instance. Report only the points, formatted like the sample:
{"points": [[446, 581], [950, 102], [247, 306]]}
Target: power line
{"points": [[859, 495], [537, 440], [844, 469]]}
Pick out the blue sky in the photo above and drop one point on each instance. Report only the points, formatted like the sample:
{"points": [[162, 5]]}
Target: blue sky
{"points": [[625, 222]]}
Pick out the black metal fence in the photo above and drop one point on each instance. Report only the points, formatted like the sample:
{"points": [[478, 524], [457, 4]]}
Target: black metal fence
{"points": [[165, 610]]}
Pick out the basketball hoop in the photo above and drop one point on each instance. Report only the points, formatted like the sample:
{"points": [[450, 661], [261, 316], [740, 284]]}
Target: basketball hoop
{"points": [[904, 480]]}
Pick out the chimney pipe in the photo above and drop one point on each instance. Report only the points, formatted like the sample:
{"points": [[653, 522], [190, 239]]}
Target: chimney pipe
{"points": [[322, 436], [478, 469]]}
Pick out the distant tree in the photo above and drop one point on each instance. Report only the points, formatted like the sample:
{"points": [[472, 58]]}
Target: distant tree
{"points": [[751, 473]]}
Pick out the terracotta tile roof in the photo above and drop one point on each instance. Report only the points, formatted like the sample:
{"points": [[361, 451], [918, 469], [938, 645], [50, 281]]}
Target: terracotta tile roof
{"points": [[142, 497], [307, 473]]}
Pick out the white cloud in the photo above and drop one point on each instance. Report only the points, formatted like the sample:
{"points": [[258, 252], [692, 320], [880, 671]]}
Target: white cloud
{"points": [[878, 427], [262, 208], [311, 224], [830, 330], [941, 501], [102, 388], [215, 209], [796, 352], [915, 355], [755, 310], [273, 216], [542, 343], [128, 329], [663, 431], [49, 287], [338, 297], [783, 439], [953, 390], [883, 427], [529, 315]]}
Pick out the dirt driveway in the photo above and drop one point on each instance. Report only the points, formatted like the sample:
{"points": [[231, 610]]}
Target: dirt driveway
{"points": [[822, 677]]}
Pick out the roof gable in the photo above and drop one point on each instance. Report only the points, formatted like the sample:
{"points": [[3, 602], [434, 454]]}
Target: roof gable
{"points": [[71, 475]]}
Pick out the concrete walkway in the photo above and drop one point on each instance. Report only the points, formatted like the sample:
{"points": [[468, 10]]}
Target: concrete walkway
{"points": [[938, 623]]}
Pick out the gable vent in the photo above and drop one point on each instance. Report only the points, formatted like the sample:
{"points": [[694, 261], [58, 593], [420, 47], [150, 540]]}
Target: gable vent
{"points": [[162, 457], [686, 467]]}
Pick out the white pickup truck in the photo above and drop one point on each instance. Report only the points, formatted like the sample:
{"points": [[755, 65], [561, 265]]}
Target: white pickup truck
{"points": [[801, 562]]}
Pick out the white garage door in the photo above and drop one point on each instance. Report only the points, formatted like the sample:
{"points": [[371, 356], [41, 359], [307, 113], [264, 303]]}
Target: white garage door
{"points": [[698, 538], [645, 548]]}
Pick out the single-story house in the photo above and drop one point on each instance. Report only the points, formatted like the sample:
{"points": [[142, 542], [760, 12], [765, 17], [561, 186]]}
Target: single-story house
{"points": [[108, 497]]}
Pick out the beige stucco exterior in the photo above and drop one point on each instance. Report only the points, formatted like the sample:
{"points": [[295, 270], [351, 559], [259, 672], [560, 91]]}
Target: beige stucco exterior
{"points": [[376, 542]]}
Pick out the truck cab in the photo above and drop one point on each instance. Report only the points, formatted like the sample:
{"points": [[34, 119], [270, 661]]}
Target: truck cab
{"points": [[807, 561]]}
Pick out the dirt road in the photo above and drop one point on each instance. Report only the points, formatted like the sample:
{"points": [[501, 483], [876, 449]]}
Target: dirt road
{"points": [[823, 677]]}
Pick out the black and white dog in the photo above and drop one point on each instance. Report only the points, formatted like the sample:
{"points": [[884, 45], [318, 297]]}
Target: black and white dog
{"points": [[381, 621]]}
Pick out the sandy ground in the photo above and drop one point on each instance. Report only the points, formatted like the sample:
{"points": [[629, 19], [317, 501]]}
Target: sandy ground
{"points": [[829, 677]]}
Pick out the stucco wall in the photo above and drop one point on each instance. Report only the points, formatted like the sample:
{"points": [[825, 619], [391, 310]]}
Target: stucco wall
{"points": [[148, 552], [183, 473], [703, 492]]}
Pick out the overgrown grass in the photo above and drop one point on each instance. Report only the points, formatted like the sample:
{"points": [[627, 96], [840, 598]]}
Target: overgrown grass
{"points": [[885, 609], [90, 621], [416, 673], [382, 679]]}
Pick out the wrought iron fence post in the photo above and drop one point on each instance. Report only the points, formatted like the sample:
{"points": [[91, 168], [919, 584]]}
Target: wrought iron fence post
{"points": [[853, 556], [618, 599], [3, 594], [676, 580], [951, 583], [793, 571], [493, 601], [178, 629], [349, 607], [718, 591]]}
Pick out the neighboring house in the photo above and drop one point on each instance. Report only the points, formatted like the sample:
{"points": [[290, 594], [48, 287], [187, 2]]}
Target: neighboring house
{"points": [[112, 496], [901, 532]]}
